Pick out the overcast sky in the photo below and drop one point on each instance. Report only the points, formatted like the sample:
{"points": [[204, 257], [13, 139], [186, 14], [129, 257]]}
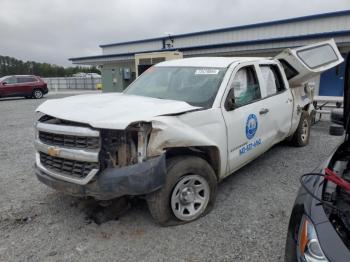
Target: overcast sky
{"points": [[54, 30]]}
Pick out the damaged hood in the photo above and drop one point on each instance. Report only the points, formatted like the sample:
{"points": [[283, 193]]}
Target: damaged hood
{"points": [[113, 110]]}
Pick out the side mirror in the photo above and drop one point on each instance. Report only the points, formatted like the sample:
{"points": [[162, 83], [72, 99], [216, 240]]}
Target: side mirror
{"points": [[230, 100], [4, 83]]}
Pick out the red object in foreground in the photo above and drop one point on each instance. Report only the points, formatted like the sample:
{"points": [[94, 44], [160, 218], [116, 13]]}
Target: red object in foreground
{"points": [[333, 177]]}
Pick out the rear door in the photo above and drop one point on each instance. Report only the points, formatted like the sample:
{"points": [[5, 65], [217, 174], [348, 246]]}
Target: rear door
{"points": [[26, 84], [278, 100], [303, 63]]}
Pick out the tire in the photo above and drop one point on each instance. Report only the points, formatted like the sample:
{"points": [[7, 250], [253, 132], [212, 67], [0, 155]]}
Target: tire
{"points": [[336, 130], [168, 205], [301, 136], [37, 94]]}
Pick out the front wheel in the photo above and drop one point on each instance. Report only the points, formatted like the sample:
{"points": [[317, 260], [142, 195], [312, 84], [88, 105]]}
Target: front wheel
{"points": [[302, 134], [188, 193], [37, 94]]}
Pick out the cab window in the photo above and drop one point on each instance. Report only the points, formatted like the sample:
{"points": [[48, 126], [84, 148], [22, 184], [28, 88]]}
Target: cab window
{"points": [[246, 86], [272, 79]]}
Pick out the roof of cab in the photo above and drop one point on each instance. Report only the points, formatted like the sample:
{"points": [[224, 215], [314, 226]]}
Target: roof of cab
{"points": [[209, 61]]}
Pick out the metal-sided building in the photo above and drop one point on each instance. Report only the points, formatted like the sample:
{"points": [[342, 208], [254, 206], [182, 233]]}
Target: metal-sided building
{"points": [[117, 61]]}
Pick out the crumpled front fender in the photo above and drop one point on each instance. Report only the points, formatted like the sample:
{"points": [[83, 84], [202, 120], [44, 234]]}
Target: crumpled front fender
{"points": [[169, 132]]}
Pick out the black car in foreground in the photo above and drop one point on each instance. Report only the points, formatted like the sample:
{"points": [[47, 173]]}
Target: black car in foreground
{"points": [[319, 227]]}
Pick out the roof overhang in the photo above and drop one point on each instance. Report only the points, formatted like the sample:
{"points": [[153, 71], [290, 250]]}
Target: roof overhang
{"points": [[235, 28], [219, 48], [102, 59]]}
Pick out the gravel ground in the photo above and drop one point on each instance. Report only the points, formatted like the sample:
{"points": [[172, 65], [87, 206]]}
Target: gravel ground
{"points": [[248, 223]]}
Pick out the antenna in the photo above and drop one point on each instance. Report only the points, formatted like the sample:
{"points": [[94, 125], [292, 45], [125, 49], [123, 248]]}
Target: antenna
{"points": [[170, 38]]}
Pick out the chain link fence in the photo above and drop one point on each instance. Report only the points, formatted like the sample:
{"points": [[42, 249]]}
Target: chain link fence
{"points": [[74, 83]]}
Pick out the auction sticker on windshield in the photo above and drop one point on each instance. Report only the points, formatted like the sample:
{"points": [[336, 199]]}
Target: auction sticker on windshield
{"points": [[206, 72]]}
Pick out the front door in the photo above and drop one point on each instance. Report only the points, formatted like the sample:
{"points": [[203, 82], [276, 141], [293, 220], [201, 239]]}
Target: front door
{"points": [[247, 124], [9, 87]]}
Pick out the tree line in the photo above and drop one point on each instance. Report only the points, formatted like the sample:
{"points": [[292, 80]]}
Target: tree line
{"points": [[13, 66]]}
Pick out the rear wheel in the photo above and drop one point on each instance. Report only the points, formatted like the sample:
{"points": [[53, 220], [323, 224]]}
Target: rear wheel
{"points": [[37, 93], [302, 134], [189, 191]]}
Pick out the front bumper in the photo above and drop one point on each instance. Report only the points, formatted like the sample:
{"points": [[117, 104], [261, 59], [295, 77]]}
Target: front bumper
{"points": [[45, 90], [138, 179]]}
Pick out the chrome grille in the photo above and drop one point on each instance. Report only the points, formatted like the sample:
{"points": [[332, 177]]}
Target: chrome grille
{"points": [[67, 152], [77, 169], [69, 140]]}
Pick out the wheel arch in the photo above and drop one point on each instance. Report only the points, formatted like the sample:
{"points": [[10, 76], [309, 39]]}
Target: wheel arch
{"points": [[211, 154]]}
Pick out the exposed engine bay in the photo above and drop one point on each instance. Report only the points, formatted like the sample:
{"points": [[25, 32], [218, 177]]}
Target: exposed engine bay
{"points": [[118, 147], [338, 196]]}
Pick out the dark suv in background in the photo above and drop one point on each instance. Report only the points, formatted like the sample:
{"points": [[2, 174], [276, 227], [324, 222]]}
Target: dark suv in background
{"points": [[28, 86]]}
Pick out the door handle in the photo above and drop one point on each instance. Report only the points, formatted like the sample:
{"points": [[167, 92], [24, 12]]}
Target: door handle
{"points": [[263, 111]]}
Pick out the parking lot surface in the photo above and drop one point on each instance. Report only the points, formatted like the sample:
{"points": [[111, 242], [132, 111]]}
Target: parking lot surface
{"points": [[248, 223]]}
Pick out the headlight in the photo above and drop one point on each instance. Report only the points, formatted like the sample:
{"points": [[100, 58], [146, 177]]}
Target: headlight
{"points": [[308, 244]]}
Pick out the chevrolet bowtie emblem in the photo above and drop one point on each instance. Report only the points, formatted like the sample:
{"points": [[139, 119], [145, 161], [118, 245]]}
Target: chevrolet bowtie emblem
{"points": [[53, 151]]}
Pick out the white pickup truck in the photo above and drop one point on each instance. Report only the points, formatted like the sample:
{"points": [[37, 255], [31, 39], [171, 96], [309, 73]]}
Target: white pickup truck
{"points": [[179, 129]]}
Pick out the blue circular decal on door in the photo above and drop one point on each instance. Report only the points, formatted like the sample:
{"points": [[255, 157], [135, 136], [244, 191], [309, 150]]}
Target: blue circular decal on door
{"points": [[251, 126]]}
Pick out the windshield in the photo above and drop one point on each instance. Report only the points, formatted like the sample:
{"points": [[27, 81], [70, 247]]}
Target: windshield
{"points": [[194, 85]]}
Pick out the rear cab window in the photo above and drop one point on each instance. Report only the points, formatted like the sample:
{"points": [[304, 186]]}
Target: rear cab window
{"points": [[288, 69]]}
